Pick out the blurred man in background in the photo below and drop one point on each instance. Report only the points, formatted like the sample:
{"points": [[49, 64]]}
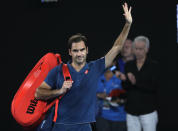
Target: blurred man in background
{"points": [[111, 115]]}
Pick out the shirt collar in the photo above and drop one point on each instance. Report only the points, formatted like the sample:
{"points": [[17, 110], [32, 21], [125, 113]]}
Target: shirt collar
{"points": [[147, 60], [71, 68]]}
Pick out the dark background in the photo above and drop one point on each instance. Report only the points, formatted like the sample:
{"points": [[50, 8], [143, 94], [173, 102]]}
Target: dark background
{"points": [[31, 29]]}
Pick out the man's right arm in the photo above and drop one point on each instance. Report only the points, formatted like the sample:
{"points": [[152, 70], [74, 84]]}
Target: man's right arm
{"points": [[45, 92], [101, 95]]}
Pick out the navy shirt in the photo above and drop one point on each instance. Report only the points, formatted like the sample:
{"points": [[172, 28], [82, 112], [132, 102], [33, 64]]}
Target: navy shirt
{"points": [[78, 104]]}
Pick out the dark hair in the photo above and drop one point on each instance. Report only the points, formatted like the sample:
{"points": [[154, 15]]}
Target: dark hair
{"points": [[76, 38]]}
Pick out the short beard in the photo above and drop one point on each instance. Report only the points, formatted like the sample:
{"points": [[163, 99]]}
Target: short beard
{"points": [[80, 63]]}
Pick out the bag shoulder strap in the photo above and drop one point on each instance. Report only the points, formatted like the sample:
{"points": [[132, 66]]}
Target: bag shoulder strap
{"points": [[67, 77]]}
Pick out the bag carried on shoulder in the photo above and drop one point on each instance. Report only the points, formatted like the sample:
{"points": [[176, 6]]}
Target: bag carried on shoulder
{"points": [[26, 109]]}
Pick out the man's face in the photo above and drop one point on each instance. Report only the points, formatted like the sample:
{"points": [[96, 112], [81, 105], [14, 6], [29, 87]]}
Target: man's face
{"points": [[140, 50], [108, 74], [127, 49], [78, 52]]}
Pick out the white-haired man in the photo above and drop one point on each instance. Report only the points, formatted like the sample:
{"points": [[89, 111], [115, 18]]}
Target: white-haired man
{"points": [[141, 83]]}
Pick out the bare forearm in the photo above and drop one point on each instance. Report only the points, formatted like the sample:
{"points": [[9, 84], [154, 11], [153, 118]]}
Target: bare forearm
{"points": [[123, 35], [119, 42], [102, 95], [46, 94]]}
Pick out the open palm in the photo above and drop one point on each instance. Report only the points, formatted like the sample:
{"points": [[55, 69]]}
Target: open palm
{"points": [[127, 13]]}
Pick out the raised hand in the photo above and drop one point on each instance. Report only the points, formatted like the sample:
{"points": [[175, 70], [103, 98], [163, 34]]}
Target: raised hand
{"points": [[127, 13]]}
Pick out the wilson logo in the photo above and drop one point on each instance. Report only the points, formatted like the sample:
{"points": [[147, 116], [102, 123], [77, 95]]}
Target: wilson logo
{"points": [[31, 107]]}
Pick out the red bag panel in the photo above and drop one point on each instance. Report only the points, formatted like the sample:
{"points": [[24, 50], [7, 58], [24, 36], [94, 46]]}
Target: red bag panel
{"points": [[25, 108]]}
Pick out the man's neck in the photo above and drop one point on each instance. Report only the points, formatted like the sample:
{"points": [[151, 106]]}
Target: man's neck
{"points": [[108, 77], [78, 67], [141, 61]]}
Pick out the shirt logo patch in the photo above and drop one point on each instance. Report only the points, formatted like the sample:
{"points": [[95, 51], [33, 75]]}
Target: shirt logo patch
{"points": [[86, 72]]}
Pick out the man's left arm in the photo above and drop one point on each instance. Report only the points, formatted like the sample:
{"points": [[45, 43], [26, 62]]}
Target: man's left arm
{"points": [[118, 44]]}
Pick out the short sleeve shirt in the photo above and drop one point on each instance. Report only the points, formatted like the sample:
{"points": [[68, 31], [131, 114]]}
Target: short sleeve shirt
{"points": [[78, 104]]}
